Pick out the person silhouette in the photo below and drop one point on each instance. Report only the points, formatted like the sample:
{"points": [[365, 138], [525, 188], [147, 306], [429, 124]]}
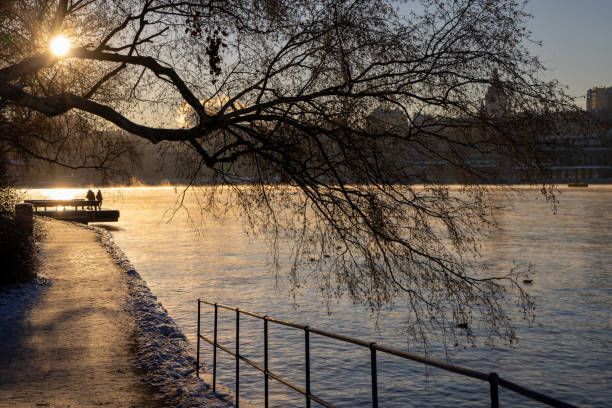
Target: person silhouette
{"points": [[90, 197], [99, 198]]}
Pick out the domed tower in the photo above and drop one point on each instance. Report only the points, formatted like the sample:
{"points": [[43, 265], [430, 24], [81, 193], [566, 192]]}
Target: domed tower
{"points": [[496, 102]]}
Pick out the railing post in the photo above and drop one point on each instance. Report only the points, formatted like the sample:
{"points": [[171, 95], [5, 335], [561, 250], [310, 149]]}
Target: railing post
{"points": [[374, 375], [266, 360], [198, 344], [307, 358], [493, 382], [237, 358], [215, 352]]}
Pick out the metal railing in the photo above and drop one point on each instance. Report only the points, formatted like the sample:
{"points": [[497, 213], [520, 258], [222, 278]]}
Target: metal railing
{"points": [[492, 378]]}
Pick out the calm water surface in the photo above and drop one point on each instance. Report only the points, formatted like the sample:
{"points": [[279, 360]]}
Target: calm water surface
{"points": [[567, 353]]}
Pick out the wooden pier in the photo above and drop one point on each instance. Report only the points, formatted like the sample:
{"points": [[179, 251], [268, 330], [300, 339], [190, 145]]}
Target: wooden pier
{"points": [[83, 211]]}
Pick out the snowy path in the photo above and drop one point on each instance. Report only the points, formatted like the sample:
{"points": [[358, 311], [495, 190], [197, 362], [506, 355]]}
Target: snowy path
{"points": [[71, 346]]}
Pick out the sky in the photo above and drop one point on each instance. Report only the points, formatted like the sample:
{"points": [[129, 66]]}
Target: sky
{"points": [[576, 40]]}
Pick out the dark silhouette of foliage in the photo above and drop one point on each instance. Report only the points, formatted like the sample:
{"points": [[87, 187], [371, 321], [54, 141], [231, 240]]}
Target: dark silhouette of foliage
{"points": [[18, 250], [337, 124]]}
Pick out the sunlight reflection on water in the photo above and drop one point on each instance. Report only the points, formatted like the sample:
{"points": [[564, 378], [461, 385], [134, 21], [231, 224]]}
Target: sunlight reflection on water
{"points": [[567, 354]]}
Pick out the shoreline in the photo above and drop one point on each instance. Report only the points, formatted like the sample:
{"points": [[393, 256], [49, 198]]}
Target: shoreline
{"points": [[66, 335], [51, 326], [163, 353]]}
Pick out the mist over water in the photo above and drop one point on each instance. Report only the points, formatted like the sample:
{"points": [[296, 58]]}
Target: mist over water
{"points": [[567, 353]]}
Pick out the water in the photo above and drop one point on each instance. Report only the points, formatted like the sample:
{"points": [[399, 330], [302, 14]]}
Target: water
{"points": [[566, 354]]}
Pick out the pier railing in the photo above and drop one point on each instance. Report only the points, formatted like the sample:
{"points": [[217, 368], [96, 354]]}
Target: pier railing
{"points": [[492, 379]]}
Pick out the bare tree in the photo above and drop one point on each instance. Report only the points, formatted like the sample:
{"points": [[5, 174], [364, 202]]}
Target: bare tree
{"points": [[71, 140], [337, 123]]}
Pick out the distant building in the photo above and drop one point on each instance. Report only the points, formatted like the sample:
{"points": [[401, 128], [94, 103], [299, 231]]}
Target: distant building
{"points": [[599, 101], [387, 120], [495, 101]]}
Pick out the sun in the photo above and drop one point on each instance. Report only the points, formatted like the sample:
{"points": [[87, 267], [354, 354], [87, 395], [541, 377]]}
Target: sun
{"points": [[60, 45]]}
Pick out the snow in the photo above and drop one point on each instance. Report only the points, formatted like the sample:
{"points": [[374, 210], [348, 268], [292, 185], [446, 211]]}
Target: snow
{"points": [[15, 300], [163, 352]]}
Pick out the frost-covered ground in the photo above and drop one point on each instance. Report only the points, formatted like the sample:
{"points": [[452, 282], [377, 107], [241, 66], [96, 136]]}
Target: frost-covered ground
{"points": [[15, 300], [163, 351], [69, 342]]}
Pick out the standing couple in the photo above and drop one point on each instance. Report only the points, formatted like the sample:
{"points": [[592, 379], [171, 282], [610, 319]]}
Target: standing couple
{"points": [[91, 197]]}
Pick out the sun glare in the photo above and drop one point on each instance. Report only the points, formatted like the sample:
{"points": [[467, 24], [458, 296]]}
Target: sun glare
{"points": [[60, 45], [61, 193]]}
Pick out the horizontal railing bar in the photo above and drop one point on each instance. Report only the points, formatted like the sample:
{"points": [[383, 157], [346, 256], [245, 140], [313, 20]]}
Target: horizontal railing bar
{"points": [[270, 373], [243, 358], [285, 323], [553, 402], [270, 319], [320, 401], [340, 337], [399, 353], [439, 364], [246, 312], [300, 390], [218, 346], [219, 305]]}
